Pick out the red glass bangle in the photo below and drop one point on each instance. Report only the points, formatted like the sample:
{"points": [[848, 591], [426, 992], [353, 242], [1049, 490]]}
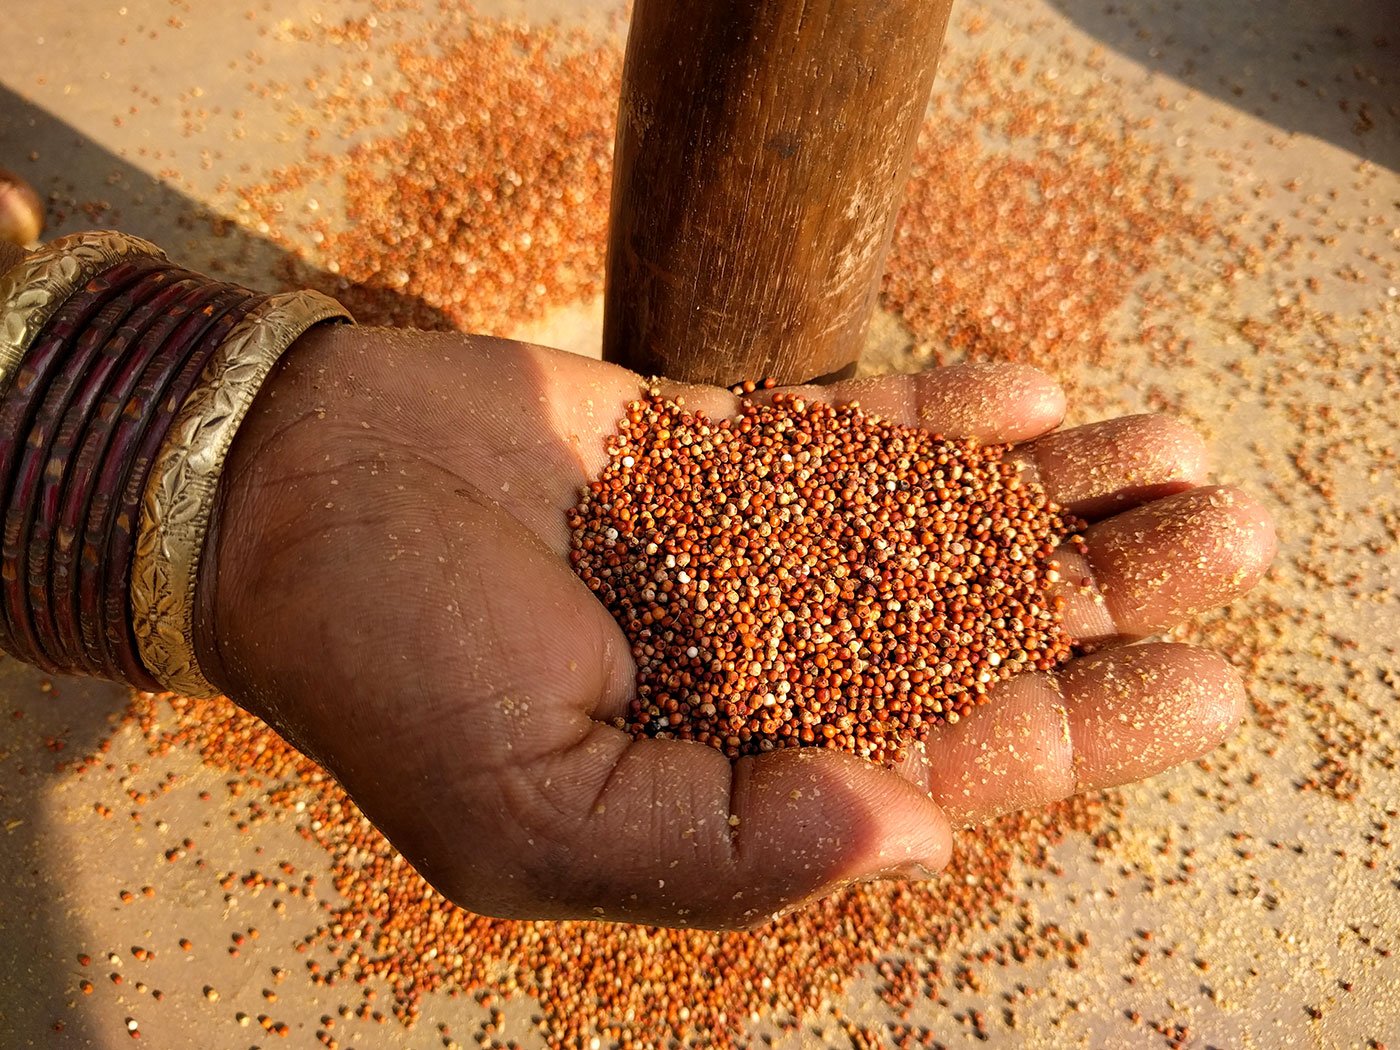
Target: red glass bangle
{"points": [[104, 580], [85, 411], [29, 418], [78, 449]]}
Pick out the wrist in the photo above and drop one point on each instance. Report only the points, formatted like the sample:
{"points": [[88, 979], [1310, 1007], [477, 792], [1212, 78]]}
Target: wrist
{"points": [[248, 517]]}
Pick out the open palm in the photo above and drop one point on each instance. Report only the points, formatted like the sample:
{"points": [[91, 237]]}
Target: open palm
{"points": [[388, 585]]}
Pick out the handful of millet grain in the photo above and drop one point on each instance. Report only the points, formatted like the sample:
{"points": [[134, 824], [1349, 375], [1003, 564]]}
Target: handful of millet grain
{"points": [[812, 576]]}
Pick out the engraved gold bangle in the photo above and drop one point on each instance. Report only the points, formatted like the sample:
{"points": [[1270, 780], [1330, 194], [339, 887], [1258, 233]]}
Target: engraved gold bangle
{"points": [[33, 290], [179, 498]]}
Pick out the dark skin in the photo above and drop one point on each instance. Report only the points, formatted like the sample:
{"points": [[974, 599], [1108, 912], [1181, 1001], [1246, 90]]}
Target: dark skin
{"points": [[387, 585]]}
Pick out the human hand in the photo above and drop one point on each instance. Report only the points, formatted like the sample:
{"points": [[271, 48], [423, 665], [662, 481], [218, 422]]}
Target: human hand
{"points": [[387, 583]]}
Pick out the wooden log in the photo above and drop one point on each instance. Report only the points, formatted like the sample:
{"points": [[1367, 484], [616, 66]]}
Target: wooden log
{"points": [[762, 149]]}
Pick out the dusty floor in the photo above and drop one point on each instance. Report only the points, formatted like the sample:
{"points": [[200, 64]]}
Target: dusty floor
{"points": [[1268, 875]]}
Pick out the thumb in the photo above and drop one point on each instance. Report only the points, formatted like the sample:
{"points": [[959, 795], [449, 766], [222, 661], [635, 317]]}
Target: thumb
{"points": [[677, 835]]}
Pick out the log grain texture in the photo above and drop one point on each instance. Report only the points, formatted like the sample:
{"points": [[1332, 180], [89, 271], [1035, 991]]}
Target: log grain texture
{"points": [[762, 148]]}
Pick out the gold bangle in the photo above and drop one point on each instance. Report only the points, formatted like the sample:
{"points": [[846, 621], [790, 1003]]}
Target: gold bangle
{"points": [[179, 498], [32, 291]]}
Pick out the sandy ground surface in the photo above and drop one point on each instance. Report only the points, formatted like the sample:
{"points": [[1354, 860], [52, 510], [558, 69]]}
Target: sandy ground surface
{"points": [[1274, 909]]}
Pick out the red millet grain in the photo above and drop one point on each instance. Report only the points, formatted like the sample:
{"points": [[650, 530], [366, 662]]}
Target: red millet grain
{"points": [[386, 924], [809, 575], [1029, 220], [488, 199]]}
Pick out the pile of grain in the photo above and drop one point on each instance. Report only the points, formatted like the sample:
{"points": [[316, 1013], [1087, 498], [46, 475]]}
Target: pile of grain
{"points": [[807, 575]]}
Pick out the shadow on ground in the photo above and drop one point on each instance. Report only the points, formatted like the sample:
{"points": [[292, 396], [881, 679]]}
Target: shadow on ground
{"points": [[40, 733], [1326, 70]]}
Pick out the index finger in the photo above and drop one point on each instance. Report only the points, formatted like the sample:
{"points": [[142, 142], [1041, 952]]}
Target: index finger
{"points": [[993, 403]]}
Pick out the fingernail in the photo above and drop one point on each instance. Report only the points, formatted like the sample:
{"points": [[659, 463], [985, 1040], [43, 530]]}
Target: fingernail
{"points": [[913, 871]]}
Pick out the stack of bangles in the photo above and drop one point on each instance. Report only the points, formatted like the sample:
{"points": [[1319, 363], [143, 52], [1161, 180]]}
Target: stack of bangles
{"points": [[123, 380]]}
